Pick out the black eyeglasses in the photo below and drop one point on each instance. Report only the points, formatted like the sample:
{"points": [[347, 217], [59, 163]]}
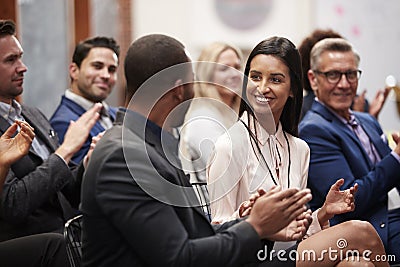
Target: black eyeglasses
{"points": [[334, 76]]}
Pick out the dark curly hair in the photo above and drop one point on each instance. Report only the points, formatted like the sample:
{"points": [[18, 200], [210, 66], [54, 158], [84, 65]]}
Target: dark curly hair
{"points": [[305, 50]]}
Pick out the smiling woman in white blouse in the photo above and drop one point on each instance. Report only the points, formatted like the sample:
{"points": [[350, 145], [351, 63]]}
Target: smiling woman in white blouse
{"points": [[262, 151]]}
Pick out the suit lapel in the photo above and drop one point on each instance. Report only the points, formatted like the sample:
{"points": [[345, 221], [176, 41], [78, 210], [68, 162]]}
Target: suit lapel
{"points": [[42, 128], [342, 128], [3, 125], [167, 150], [78, 111]]}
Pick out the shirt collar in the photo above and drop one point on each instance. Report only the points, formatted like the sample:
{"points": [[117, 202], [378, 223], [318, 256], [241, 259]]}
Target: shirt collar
{"points": [[262, 134], [352, 117], [11, 112], [153, 127], [81, 101]]}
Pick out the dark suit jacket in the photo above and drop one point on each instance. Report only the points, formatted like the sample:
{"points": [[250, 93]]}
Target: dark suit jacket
{"points": [[336, 152], [68, 110], [32, 201], [135, 211], [307, 103]]}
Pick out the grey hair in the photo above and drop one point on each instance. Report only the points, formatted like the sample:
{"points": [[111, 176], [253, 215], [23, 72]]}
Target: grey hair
{"points": [[331, 44]]}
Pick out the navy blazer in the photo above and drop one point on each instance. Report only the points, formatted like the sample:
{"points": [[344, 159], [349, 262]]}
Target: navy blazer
{"points": [[336, 152], [68, 110], [38, 196], [128, 216]]}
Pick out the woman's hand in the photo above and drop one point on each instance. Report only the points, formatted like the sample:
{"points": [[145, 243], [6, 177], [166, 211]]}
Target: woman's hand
{"points": [[295, 230], [246, 206], [337, 201]]}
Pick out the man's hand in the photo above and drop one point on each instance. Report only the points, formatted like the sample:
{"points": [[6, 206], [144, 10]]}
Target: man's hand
{"points": [[295, 230], [396, 139], [78, 131], [377, 103], [359, 102], [14, 148]]}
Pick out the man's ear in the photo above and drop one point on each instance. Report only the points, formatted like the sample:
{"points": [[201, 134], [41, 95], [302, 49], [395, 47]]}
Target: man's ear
{"points": [[73, 71], [179, 93], [313, 81]]}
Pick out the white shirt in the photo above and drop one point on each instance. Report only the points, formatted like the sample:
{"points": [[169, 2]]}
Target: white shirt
{"points": [[14, 112], [205, 121], [105, 121], [235, 171]]}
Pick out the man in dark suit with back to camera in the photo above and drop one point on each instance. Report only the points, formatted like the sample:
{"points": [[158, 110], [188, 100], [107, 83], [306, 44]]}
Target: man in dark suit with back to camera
{"points": [[350, 145], [138, 206], [40, 192]]}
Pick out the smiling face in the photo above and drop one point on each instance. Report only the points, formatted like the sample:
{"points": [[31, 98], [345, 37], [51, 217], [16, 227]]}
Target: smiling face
{"points": [[227, 74], [268, 86], [337, 96], [12, 68], [96, 76]]}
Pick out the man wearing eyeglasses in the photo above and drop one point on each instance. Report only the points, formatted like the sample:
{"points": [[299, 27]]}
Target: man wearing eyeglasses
{"points": [[350, 145]]}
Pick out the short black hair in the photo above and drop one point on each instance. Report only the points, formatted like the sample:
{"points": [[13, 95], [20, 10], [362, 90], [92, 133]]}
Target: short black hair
{"points": [[149, 55], [7, 27], [83, 48]]}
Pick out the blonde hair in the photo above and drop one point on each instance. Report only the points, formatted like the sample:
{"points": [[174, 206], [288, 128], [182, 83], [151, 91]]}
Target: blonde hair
{"points": [[205, 71]]}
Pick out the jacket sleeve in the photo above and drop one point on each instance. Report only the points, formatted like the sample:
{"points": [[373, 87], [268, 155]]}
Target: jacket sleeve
{"points": [[164, 239], [328, 163], [21, 196]]}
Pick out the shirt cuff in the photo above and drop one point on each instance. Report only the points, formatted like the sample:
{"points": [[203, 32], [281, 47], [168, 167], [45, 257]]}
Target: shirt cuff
{"points": [[61, 158], [315, 227]]}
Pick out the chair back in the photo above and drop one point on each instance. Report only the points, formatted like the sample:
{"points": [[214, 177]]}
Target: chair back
{"points": [[72, 235], [201, 190]]}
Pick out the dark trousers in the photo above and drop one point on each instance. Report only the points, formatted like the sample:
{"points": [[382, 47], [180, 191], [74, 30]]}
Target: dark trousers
{"points": [[41, 250]]}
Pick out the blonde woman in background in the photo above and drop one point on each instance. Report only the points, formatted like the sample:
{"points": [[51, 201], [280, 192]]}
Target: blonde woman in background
{"points": [[214, 107]]}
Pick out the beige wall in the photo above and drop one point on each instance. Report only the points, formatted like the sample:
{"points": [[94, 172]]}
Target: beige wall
{"points": [[197, 23]]}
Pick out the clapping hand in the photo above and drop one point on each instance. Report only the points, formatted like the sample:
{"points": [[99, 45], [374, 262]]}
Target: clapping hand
{"points": [[337, 201], [92, 146], [276, 209], [295, 230], [14, 148], [245, 207]]}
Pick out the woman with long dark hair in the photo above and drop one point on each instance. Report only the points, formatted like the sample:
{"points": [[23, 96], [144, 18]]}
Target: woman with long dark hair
{"points": [[262, 151]]}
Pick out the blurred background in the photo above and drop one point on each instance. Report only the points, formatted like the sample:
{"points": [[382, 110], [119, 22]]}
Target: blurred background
{"points": [[49, 30]]}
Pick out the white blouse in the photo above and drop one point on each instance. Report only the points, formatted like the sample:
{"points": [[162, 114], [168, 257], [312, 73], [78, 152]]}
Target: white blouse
{"points": [[205, 121], [236, 169]]}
